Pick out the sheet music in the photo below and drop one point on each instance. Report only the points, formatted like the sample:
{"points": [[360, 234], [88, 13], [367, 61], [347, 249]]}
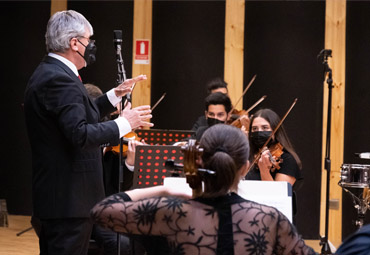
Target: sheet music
{"points": [[276, 194]]}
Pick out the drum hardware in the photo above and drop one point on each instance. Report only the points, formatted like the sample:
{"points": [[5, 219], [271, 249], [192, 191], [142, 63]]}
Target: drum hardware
{"points": [[355, 180], [361, 205]]}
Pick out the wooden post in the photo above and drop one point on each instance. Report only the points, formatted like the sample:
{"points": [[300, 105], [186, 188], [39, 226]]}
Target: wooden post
{"points": [[234, 49], [142, 30], [335, 39], [57, 5]]}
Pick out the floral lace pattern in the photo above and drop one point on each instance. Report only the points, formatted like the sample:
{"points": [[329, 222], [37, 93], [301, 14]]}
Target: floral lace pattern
{"points": [[192, 226]]}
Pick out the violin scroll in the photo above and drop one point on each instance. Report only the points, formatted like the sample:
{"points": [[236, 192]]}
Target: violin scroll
{"points": [[192, 152]]}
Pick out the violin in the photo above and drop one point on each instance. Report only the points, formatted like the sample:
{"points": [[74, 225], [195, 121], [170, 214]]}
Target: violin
{"points": [[235, 114], [241, 118], [275, 152], [125, 140], [278, 148], [129, 136]]}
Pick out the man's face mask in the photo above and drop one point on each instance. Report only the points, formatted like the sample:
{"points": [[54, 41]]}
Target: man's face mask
{"points": [[259, 138], [213, 121], [90, 51]]}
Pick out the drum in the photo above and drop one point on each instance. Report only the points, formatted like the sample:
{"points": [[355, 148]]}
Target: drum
{"points": [[355, 176]]}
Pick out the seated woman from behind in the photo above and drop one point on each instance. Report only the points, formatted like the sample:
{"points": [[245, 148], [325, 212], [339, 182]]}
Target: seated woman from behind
{"points": [[218, 221]]}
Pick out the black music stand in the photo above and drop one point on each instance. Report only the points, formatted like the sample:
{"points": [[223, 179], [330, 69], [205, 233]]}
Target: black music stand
{"points": [[324, 241], [150, 164], [163, 136]]}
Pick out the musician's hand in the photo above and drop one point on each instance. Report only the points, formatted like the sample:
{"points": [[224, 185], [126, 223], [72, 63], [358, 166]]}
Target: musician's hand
{"points": [[244, 120], [264, 163], [127, 86], [138, 116], [131, 150], [245, 130]]}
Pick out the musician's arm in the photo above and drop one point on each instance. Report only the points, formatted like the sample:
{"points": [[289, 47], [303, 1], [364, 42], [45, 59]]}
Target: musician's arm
{"points": [[156, 191], [264, 165], [285, 178]]}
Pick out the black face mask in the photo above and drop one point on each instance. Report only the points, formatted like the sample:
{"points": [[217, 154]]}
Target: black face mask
{"points": [[213, 121], [90, 51], [259, 138]]}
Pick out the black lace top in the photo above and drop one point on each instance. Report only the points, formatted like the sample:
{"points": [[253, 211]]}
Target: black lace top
{"points": [[223, 225]]}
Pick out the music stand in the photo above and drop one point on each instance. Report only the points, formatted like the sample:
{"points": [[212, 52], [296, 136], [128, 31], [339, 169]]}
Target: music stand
{"points": [[149, 169], [163, 136]]}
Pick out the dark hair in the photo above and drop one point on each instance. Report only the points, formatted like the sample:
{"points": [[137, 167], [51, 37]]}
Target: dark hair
{"points": [[281, 136], [93, 90], [215, 84], [225, 151], [218, 98]]}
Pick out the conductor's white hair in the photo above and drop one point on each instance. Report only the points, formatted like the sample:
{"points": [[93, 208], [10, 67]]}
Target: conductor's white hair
{"points": [[62, 27]]}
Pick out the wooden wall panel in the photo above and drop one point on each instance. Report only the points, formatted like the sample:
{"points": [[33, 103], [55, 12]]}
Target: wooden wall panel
{"points": [[234, 49], [142, 30], [57, 5], [335, 39]]}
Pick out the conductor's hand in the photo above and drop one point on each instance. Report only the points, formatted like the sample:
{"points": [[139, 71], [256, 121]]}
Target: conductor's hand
{"points": [[138, 116], [127, 86]]}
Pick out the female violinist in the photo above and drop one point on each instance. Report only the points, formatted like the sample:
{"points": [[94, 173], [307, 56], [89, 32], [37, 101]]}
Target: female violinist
{"points": [[289, 169], [217, 220]]}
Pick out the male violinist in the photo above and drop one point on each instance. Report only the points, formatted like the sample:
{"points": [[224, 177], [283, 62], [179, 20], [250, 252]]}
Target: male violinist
{"points": [[66, 136], [215, 85], [217, 108]]}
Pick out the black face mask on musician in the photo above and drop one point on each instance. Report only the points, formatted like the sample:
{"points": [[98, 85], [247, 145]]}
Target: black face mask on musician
{"points": [[213, 121], [259, 138], [90, 51]]}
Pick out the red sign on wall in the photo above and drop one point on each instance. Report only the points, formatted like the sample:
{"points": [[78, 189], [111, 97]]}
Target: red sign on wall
{"points": [[142, 52]]}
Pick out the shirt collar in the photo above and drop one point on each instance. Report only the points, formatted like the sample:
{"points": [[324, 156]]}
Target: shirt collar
{"points": [[65, 61]]}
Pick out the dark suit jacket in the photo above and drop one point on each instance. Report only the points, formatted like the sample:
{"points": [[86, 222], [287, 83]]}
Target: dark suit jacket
{"points": [[66, 139]]}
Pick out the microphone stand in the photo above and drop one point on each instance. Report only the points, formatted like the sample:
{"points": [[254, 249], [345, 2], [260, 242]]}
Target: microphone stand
{"points": [[117, 34], [327, 71]]}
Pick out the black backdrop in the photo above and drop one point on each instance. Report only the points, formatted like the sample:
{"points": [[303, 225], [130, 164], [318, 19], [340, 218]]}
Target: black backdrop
{"points": [[281, 44], [282, 41], [357, 121]]}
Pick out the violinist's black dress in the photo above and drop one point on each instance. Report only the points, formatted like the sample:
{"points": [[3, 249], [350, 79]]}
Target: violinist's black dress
{"points": [[288, 166], [225, 225]]}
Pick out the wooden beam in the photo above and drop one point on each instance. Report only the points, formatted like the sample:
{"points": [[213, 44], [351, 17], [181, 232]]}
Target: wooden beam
{"points": [[234, 49], [142, 30], [335, 39], [57, 5]]}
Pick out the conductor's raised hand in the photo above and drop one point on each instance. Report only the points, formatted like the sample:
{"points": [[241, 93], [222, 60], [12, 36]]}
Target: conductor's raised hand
{"points": [[138, 116], [127, 86]]}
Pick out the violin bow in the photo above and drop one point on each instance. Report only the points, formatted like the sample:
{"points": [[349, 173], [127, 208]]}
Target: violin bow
{"points": [[272, 134], [256, 103], [159, 100], [245, 91]]}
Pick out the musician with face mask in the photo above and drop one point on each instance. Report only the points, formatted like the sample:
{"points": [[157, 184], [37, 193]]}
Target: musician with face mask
{"points": [[66, 136], [262, 124], [213, 86], [217, 108]]}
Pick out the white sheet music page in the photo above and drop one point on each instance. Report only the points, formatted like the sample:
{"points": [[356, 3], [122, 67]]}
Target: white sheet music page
{"points": [[276, 194]]}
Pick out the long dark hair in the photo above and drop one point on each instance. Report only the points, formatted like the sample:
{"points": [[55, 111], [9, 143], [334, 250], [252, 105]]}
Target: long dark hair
{"points": [[281, 136], [225, 151]]}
